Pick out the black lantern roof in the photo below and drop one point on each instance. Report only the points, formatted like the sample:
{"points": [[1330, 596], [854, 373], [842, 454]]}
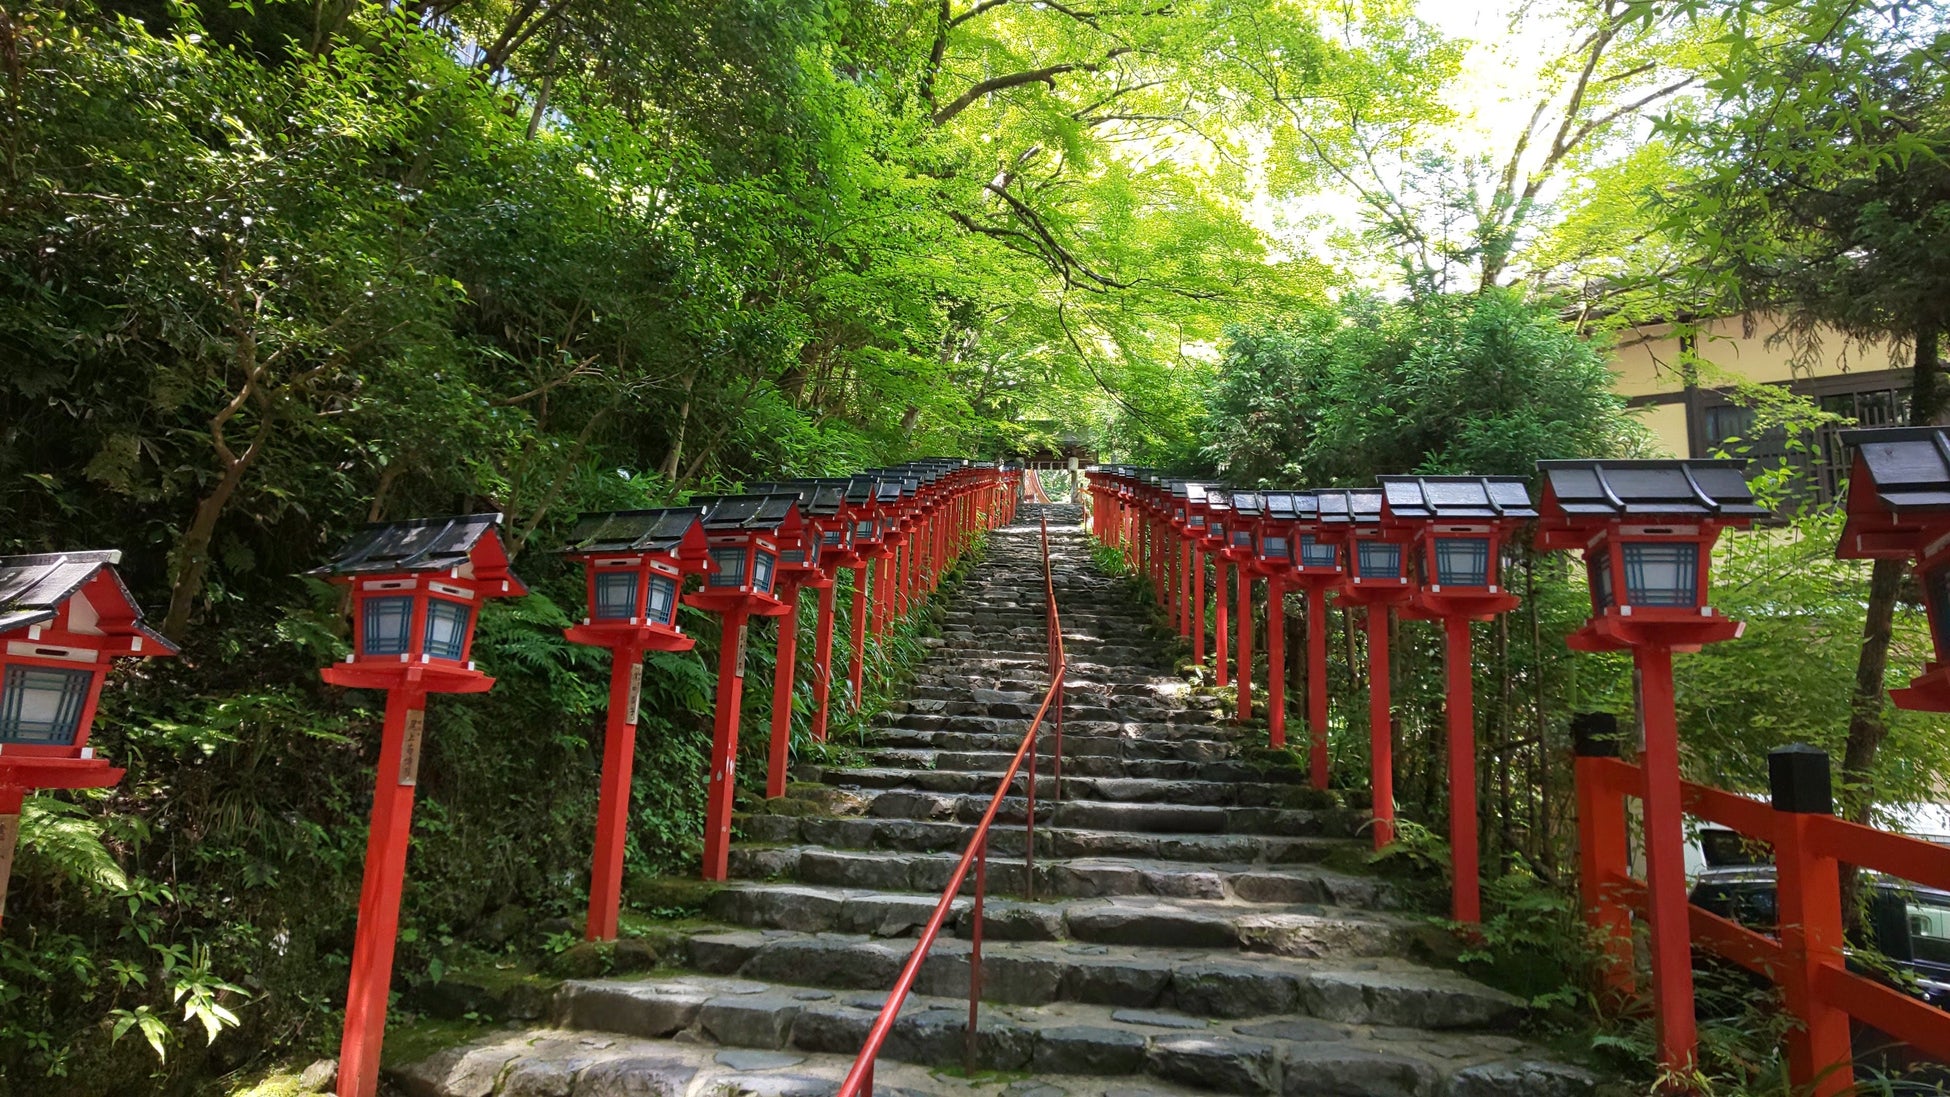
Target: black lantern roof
{"points": [[1909, 467], [818, 498], [32, 589], [1218, 498], [1448, 498], [1662, 488], [422, 544], [1181, 489], [1246, 504], [659, 531], [1288, 506], [758, 512], [862, 490], [895, 484], [1195, 493], [1345, 506]]}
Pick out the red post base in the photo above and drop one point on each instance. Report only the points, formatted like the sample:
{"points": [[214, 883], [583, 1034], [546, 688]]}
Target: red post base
{"points": [[1317, 685], [1275, 662], [1198, 608], [1381, 733], [724, 746], [379, 894], [11, 797], [1665, 865], [1466, 891], [1221, 637], [1243, 669], [613, 802], [788, 654], [857, 666], [823, 662]]}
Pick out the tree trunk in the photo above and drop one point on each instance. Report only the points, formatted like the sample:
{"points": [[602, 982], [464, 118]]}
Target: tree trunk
{"points": [[674, 459], [193, 555]]}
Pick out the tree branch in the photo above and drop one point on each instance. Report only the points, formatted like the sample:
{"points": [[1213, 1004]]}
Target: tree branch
{"points": [[1045, 75]]}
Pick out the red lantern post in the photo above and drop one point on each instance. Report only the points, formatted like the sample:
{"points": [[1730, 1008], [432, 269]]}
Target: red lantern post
{"points": [[867, 501], [1197, 513], [1647, 530], [836, 551], [1098, 480], [745, 534], [1218, 506], [1376, 578], [1459, 525], [1247, 510], [634, 563], [800, 565], [1899, 508], [1273, 557], [417, 588], [1317, 569], [1181, 555], [63, 618]]}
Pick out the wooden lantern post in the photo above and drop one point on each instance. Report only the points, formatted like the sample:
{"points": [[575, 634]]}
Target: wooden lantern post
{"points": [[417, 588], [1647, 530], [745, 535], [1218, 521], [1316, 569], [1459, 525], [835, 552], [1098, 479], [63, 618], [1243, 537], [1899, 508], [1273, 558], [1181, 557], [1197, 513], [867, 500], [634, 564], [1376, 578], [800, 565]]}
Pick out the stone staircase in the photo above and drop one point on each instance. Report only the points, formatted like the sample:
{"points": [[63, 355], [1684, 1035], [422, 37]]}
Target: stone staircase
{"points": [[1186, 932]]}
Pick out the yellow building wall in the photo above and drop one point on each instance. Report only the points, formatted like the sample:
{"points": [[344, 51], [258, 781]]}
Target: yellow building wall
{"points": [[1646, 359], [1667, 422]]}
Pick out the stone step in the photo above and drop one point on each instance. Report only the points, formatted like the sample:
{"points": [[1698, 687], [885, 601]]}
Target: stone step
{"points": [[1199, 982], [1058, 1044], [1020, 664], [1074, 711], [1090, 777], [964, 701], [1061, 877], [1283, 929], [928, 836], [1217, 741], [564, 1062], [1076, 764], [1108, 814]]}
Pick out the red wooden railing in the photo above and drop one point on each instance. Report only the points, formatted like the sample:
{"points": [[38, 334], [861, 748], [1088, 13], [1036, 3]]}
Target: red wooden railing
{"points": [[859, 1080], [1807, 958]]}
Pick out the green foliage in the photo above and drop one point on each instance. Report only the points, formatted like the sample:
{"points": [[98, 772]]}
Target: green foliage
{"points": [[1819, 181], [1479, 384]]}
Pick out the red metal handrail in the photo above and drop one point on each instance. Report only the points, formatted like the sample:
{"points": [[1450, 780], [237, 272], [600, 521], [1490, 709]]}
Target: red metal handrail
{"points": [[859, 1080], [1806, 953]]}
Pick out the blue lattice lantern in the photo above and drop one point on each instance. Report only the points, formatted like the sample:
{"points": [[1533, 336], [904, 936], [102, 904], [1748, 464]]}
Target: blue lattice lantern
{"points": [[1646, 530], [1459, 526], [634, 565], [417, 588]]}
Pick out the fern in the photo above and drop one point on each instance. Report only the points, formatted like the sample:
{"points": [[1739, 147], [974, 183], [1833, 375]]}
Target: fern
{"points": [[61, 837]]}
